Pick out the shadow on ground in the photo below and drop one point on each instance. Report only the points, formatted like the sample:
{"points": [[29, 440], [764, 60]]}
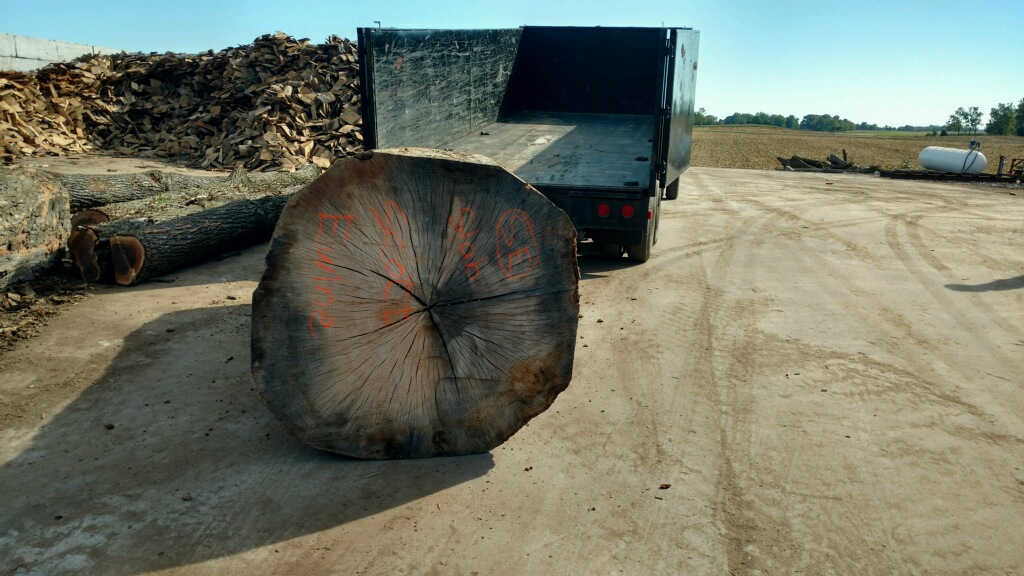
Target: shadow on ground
{"points": [[993, 286], [169, 459], [593, 265]]}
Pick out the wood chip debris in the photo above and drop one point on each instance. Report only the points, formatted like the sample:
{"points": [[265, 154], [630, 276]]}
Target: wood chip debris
{"points": [[275, 104]]}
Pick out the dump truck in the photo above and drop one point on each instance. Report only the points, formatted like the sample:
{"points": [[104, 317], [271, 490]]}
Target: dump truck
{"points": [[597, 119]]}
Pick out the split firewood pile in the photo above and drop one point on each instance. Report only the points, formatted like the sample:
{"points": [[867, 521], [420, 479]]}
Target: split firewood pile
{"points": [[272, 105], [832, 165]]}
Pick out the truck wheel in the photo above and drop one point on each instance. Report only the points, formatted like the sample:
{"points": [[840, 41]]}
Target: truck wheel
{"points": [[642, 252], [672, 190], [606, 250]]}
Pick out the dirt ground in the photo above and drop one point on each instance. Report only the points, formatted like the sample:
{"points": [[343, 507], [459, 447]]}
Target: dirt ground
{"points": [[811, 375]]}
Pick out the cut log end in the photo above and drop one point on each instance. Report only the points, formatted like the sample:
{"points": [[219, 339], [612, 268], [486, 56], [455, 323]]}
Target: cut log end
{"points": [[415, 305], [82, 248], [89, 218], [128, 255]]}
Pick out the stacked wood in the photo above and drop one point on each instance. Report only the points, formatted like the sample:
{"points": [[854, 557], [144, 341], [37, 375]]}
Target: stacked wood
{"points": [[415, 303], [44, 118], [275, 104]]}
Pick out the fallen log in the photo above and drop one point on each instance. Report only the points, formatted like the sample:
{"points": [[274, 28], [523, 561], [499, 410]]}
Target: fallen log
{"points": [[415, 303], [839, 163], [801, 162], [96, 190], [34, 223], [131, 251]]}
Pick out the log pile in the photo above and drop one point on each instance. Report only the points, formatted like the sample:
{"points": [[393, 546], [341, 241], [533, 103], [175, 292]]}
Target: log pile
{"points": [[832, 165], [126, 228], [275, 104]]}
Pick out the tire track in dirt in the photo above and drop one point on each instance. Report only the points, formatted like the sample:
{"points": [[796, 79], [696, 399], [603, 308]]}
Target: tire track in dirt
{"points": [[849, 300], [724, 370], [972, 329], [856, 302], [845, 291], [902, 340], [708, 382], [913, 383]]}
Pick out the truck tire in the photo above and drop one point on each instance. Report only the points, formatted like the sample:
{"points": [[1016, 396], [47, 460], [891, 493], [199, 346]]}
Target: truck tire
{"points": [[672, 190], [642, 252], [613, 251]]}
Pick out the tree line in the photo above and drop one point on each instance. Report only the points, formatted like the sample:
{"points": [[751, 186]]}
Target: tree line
{"points": [[814, 122], [1006, 120]]}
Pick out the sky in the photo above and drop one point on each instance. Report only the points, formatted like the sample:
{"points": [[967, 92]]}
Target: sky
{"points": [[885, 62]]}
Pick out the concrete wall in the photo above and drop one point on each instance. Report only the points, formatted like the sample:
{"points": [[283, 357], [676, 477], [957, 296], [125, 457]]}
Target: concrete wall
{"points": [[24, 53]]}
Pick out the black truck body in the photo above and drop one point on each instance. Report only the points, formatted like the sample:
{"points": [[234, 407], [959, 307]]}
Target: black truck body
{"points": [[597, 119]]}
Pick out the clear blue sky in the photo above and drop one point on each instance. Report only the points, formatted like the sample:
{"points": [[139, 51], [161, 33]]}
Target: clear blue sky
{"points": [[878, 61]]}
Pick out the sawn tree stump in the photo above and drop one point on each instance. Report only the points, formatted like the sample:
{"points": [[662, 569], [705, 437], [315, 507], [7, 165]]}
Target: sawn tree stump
{"points": [[415, 303]]}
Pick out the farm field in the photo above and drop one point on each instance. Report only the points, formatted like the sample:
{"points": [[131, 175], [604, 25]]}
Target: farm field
{"points": [[756, 147]]}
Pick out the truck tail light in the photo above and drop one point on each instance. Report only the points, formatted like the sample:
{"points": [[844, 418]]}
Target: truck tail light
{"points": [[650, 215], [628, 211], [603, 210]]}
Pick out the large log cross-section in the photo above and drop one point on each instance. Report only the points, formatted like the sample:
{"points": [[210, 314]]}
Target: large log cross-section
{"points": [[415, 303]]}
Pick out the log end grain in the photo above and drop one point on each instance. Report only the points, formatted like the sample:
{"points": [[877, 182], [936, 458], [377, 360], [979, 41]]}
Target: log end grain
{"points": [[82, 249], [128, 255], [415, 305]]}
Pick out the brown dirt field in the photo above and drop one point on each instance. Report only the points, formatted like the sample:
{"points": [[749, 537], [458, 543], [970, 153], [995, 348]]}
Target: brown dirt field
{"points": [[756, 147]]}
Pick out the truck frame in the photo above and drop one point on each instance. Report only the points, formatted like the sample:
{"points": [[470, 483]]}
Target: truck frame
{"points": [[597, 119]]}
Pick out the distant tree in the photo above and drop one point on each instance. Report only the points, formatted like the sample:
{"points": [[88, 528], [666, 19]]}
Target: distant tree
{"points": [[702, 118], [826, 123], [1002, 120], [944, 132], [956, 120], [792, 122], [738, 118], [1020, 118], [973, 119]]}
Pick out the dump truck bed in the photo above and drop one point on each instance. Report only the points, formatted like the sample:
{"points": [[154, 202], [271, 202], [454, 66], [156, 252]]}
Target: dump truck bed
{"points": [[584, 150], [597, 119]]}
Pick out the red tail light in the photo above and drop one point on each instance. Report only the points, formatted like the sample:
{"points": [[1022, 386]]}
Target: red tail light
{"points": [[650, 215], [603, 210], [628, 211]]}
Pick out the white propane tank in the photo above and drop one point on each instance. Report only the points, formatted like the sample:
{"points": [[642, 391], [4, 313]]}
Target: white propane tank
{"points": [[951, 160]]}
